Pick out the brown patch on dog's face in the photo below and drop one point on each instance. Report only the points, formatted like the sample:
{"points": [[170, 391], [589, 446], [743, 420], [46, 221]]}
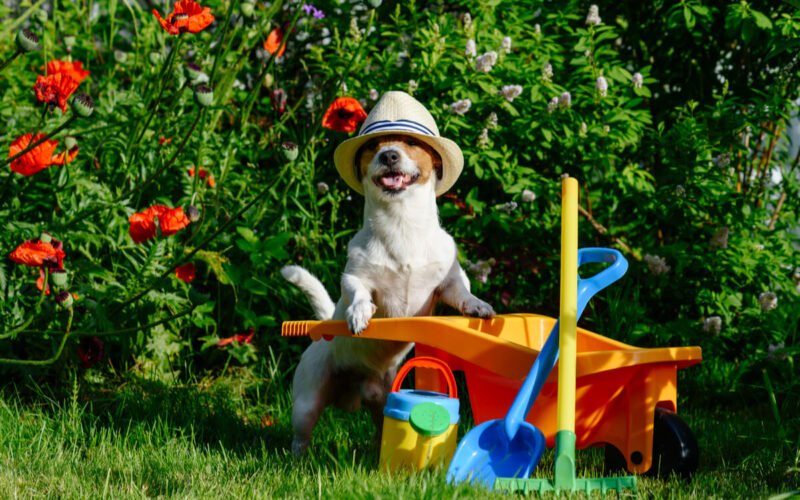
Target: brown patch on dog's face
{"points": [[427, 160]]}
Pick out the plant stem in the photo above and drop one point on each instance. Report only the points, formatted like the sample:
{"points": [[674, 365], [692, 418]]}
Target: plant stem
{"points": [[33, 144], [40, 362], [260, 81], [166, 69], [231, 5], [8, 61], [27, 322]]}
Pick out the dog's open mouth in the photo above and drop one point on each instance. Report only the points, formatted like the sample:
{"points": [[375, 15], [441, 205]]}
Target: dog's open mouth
{"points": [[394, 182]]}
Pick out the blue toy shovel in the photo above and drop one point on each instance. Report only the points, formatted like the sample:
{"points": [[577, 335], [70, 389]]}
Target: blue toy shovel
{"points": [[511, 447]]}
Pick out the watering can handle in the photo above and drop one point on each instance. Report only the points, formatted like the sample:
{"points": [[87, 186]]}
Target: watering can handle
{"points": [[547, 357], [426, 362]]}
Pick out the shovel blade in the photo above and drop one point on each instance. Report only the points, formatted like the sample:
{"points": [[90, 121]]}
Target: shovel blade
{"points": [[485, 453]]}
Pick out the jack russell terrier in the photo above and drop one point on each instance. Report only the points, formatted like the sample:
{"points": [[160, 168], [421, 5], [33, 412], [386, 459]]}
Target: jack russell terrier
{"points": [[400, 264]]}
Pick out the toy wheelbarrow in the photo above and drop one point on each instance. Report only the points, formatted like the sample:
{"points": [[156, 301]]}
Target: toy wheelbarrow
{"points": [[623, 392]]}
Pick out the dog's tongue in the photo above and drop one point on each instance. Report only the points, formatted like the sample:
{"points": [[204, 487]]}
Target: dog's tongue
{"points": [[392, 181]]}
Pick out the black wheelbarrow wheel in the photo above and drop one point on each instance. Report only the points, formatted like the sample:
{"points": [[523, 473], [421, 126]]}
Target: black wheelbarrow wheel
{"points": [[674, 449]]}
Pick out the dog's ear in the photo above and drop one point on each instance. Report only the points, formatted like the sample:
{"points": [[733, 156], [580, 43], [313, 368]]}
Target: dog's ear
{"points": [[437, 164]]}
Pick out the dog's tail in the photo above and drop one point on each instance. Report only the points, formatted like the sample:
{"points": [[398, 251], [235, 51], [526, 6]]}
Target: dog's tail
{"points": [[320, 300]]}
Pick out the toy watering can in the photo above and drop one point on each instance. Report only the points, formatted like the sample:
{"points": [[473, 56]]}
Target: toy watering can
{"points": [[419, 427]]}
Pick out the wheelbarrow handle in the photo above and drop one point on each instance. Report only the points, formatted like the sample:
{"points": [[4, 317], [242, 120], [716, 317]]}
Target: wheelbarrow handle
{"points": [[548, 356]]}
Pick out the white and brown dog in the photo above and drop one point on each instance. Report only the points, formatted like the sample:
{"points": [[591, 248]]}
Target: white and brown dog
{"points": [[399, 264]]}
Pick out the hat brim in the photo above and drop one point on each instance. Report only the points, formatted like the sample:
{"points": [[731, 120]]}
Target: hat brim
{"points": [[452, 158]]}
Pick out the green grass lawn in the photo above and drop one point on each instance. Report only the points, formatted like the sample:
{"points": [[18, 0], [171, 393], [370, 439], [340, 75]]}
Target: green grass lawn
{"points": [[209, 439]]}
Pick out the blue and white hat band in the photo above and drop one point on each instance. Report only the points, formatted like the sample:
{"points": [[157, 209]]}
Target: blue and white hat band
{"points": [[397, 126]]}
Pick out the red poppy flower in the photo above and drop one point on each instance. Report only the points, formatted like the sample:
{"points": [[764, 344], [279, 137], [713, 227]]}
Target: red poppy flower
{"points": [[55, 89], [66, 156], [162, 140], [344, 115], [142, 227], [34, 160], [278, 99], [90, 350], [73, 69], [186, 16], [267, 421], [185, 272], [242, 338], [274, 41], [172, 220], [203, 175], [38, 253]]}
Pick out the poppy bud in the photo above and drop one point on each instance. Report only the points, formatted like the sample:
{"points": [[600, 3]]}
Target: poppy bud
{"points": [[70, 142], [155, 58], [69, 41], [268, 80], [290, 151], [194, 73], [204, 95], [278, 99], [374, 3], [247, 8], [59, 277], [41, 16], [64, 299], [199, 294], [83, 104], [27, 41], [45, 237], [192, 213], [120, 56]]}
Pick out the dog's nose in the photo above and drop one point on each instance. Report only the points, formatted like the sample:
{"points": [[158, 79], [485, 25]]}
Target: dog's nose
{"points": [[389, 158]]}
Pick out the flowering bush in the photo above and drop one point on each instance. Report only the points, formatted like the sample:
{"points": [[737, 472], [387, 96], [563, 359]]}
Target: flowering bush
{"points": [[672, 116]]}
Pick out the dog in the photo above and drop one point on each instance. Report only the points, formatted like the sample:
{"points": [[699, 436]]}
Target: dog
{"points": [[400, 264]]}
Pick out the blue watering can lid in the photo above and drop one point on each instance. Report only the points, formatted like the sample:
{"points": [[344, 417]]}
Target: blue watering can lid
{"points": [[400, 404]]}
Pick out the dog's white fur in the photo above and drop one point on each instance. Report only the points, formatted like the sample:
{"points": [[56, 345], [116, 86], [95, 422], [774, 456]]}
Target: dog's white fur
{"points": [[399, 264]]}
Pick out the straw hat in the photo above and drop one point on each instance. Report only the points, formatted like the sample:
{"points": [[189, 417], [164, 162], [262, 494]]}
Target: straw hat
{"points": [[399, 113]]}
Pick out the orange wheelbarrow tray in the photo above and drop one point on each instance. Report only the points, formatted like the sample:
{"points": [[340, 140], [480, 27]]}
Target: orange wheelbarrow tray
{"points": [[619, 386]]}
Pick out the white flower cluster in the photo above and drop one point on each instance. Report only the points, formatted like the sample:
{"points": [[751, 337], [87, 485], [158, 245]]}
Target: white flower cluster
{"points": [[412, 86], [507, 207], [722, 160], [768, 301], [491, 122], [471, 50], [506, 44], [466, 20], [511, 91], [712, 325], [657, 265], [483, 139], [373, 94], [720, 238], [485, 62], [547, 72], [680, 191], [565, 100], [528, 196], [593, 18], [552, 105], [584, 129], [322, 188], [480, 269], [773, 348], [461, 107], [602, 86], [638, 80]]}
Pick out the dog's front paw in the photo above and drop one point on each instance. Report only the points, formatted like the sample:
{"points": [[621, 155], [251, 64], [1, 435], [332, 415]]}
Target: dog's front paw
{"points": [[358, 315], [477, 308]]}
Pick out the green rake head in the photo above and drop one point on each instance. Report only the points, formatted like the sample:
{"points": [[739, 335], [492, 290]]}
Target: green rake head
{"points": [[565, 479]]}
